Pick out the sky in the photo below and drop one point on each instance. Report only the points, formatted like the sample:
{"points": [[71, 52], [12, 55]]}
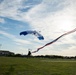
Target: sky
{"points": [[51, 18]]}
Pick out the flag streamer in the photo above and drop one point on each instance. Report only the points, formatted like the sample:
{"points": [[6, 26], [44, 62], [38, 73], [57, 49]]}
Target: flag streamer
{"points": [[55, 40]]}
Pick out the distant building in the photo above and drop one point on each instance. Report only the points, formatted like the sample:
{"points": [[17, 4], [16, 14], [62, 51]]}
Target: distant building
{"points": [[5, 53]]}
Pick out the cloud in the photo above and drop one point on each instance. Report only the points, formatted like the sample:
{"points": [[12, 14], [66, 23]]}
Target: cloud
{"points": [[41, 18], [4, 28], [52, 22], [16, 9], [10, 9], [51, 17], [2, 20], [13, 38], [40, 10]]}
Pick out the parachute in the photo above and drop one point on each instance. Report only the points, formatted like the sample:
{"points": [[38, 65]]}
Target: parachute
{"points": [[55, 40], [38, 35]]}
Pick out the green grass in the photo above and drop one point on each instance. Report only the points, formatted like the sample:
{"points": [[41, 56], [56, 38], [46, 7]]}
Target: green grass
{"points": [[36, 66]]}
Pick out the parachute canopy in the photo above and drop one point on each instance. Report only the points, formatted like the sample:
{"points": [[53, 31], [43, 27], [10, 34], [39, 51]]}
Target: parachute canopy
{"points": [[38, 35]]}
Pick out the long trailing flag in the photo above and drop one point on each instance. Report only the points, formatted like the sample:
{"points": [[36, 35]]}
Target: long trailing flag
{"points": [[55, 40]]}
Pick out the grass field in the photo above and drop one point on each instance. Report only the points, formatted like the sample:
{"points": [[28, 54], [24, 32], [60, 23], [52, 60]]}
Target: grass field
{"points": [[36, 66]]}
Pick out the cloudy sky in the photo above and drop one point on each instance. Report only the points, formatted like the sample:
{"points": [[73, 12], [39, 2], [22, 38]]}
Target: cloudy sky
{"points": [[51, 18]]}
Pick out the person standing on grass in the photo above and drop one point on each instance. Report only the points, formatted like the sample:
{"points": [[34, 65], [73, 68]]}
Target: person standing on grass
{"points": [[29, 53]]}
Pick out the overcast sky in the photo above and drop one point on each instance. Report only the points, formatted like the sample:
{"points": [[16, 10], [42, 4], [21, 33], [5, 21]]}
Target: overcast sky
{"points": [[51, 18]]}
